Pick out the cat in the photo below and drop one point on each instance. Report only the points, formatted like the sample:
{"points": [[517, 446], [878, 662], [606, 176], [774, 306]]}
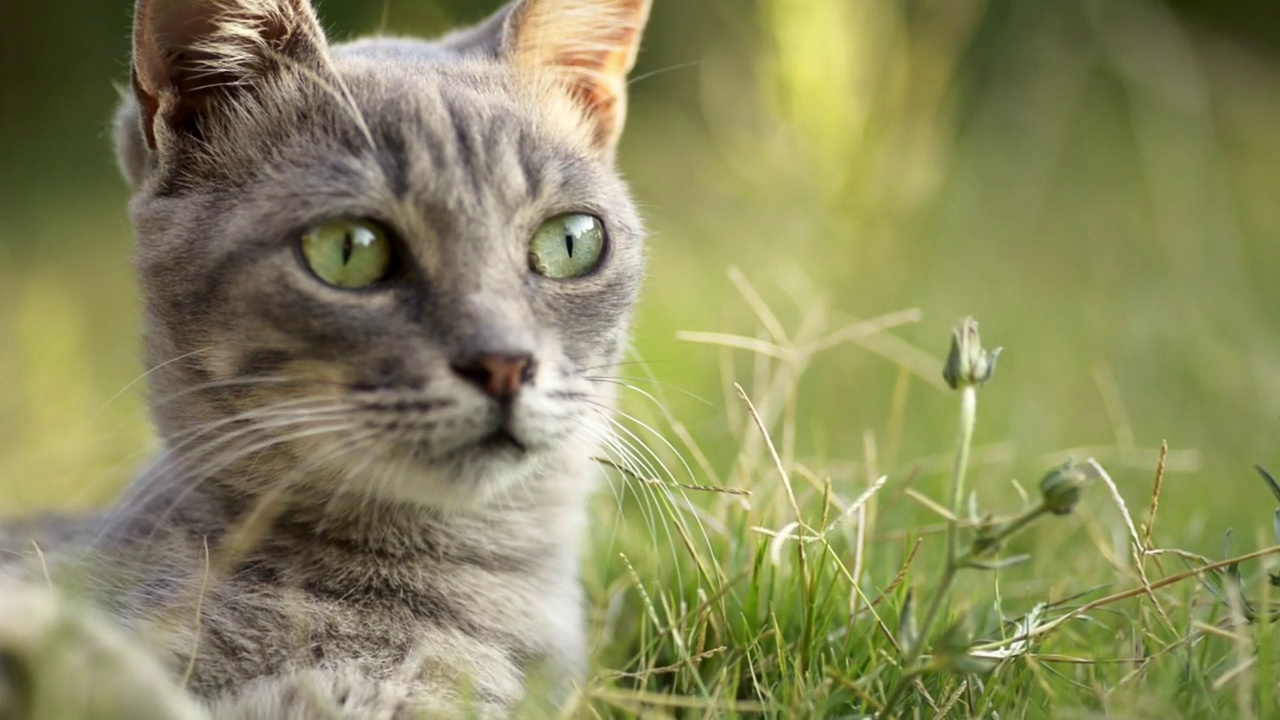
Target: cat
{"points": [[381, 281]]}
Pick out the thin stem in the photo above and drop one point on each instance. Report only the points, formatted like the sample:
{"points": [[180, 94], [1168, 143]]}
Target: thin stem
{"points": [[911, 654], [935, 605], [968, 416], [993, 543]]}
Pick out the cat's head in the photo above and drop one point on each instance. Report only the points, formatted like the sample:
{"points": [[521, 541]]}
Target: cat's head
{"points": [[402, 266]]}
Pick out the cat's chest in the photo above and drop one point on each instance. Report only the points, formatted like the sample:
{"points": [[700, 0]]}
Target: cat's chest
{"points": [[382, 625], [470, 615], [260, 634]]}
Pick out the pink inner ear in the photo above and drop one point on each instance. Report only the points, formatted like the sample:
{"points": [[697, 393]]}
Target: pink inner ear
{"points": [[591, 85], [599, 103], [590, 45]]}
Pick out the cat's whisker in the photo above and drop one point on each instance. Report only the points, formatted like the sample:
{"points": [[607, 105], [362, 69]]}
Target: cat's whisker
{"points": [[664, 70], [189, 448], [625, 382], [217, 462], [671, 487], [228, 383], [194, 479], [130, 506], [591, 444], [298, 407], [688, 470], [647, 483], [666, 471], [661, 437], [634, 459], [132, 383], [645, 504], [665, 411], [700, 517], [637, 362]]}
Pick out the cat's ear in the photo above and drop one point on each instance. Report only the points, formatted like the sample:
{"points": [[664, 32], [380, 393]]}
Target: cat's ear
{"points": [[192, 57], [588, 46]]}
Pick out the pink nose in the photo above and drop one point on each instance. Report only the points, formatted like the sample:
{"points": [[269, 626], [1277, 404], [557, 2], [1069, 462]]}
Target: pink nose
{"points": [[500, 376]]}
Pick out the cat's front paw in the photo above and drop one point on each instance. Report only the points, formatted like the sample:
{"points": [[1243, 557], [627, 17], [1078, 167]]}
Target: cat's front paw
{"points": [[347, 694], [315, 693], [60, 660]]}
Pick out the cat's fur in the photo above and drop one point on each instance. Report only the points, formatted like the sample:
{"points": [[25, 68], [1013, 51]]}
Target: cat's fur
{"points": [[331, 523]]}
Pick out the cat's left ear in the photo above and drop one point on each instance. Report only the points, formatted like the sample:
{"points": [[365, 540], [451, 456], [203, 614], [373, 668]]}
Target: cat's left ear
{"points": [[195, 59], [588, 47]]}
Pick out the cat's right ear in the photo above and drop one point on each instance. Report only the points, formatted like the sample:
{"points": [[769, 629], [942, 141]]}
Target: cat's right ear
{"points": [[586, 48], [193, 59]]}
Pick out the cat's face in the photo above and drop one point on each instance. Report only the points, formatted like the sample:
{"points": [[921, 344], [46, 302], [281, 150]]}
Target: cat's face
{"points": [[403, 267]]}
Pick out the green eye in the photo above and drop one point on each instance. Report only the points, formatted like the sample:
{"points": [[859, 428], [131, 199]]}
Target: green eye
{"points": [[567, 246], [347, 254]]}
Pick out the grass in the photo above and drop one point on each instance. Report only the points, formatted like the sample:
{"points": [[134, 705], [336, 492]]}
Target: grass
{"points": [[798, 600], [772, 539], [772, 593]]}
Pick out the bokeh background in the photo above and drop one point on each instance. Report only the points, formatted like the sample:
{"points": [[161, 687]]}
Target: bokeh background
{"points": [[1098, 181]]}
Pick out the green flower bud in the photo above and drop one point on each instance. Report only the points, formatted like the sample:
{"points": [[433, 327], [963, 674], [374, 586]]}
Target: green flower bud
{"points": [[1061, 488], [968, 364]]}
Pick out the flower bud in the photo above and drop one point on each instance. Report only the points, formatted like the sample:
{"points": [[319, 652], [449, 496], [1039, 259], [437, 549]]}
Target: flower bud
{"points": [[968, 364], [1061, 488]]}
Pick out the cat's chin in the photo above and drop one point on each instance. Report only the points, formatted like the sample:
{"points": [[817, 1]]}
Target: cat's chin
{"points": [[474, 475]]}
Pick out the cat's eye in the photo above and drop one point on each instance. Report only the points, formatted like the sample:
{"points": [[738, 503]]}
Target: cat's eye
{"points": [[567, 246], [348, 254]]}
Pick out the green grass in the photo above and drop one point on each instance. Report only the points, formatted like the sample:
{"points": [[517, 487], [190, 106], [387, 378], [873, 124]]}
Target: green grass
{"points": [[1100, 194], [807, 600]]}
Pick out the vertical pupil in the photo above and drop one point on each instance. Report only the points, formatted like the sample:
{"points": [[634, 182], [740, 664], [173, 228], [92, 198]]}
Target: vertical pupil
{"points": [[568, 241], [348, 247]]}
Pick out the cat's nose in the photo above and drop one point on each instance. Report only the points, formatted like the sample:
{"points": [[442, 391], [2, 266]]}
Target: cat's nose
{"points": [[500, 375]]}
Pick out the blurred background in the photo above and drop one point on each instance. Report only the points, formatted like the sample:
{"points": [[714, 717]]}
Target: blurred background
{"points": [[1097, 181]]}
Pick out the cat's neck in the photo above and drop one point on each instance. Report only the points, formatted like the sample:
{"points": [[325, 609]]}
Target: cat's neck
{"points": [[242, 511]]}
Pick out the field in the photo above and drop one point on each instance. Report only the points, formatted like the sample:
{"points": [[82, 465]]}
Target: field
{"points": [[831, 187]]}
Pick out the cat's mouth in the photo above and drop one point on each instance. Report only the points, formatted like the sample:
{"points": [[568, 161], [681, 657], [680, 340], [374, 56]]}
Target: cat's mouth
{"points": [[500, 444], [501, 440]]}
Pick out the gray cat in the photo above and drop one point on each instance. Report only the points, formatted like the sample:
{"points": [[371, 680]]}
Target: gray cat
{"points": [[379, 279]]}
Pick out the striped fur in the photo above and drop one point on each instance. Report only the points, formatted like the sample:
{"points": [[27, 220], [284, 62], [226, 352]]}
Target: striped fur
{"points": [[327, 525]]}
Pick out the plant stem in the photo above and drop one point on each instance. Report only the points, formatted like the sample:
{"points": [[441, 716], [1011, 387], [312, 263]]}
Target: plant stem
{"points": [[1016, 525], [911, 654], [968, 416]]}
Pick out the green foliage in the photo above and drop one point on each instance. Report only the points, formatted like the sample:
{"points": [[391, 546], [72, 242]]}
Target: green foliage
{"points": [[1094, 180], [798, 600]]}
